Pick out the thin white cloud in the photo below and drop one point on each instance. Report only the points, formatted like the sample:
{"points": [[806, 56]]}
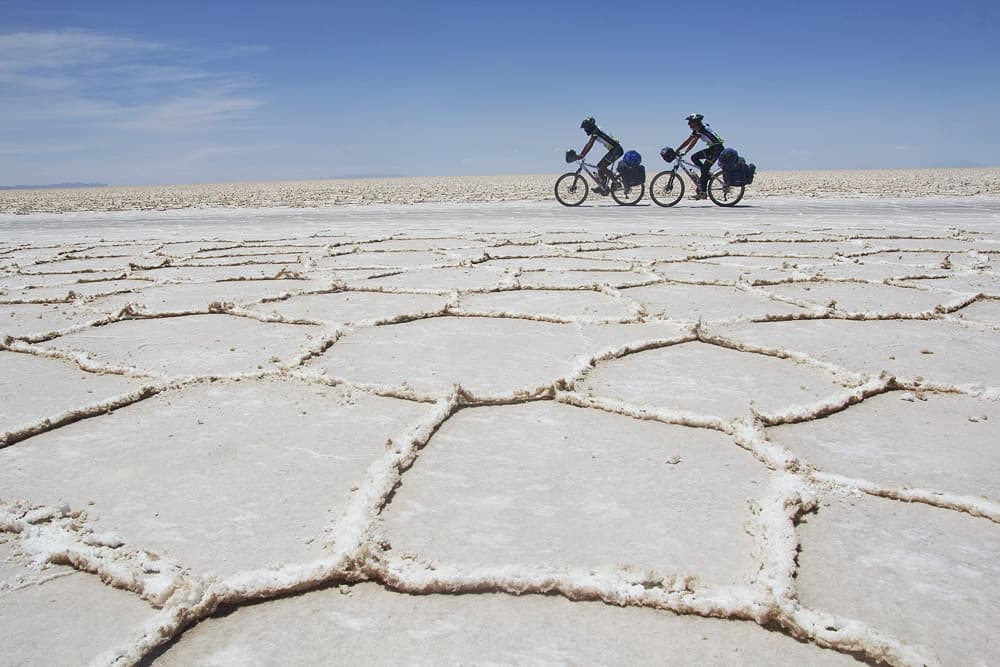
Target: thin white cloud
{"points": [[36, 51], [106, 82]]}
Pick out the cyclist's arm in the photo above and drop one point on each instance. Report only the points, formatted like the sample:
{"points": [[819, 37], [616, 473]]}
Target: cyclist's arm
{"points": [[587, 148], [688, 144]]}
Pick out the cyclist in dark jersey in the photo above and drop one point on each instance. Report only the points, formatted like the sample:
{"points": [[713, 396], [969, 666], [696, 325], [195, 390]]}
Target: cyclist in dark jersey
{"points": [[704, 158], [615, 151]]}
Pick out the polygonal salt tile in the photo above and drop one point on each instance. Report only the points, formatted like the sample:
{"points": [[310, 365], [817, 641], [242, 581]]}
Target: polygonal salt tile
{"points": [[571, 278], [258, 251], [710, 380], [514, 251], [559, 303], [983, 311], [926, 576], [571, 263], [422, 243], [353, 306], [26, 320], [258, 470], [191, 345], [936, 244], [60, 387], [82, 266], [941, 442], [183, 297], [69, 618], [85, 290], [248, 260], [861, 297], [979, 282], [878, 271], [204, 274], [483, 355], [648, 254], [937, 351], [366, 624], [706, 302], [795, 249], [907, 258], [543, 484], [401, 259], [700, 272], [20, 281], [441, 279]]}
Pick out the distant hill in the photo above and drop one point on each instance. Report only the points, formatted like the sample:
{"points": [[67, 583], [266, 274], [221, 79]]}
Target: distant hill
{"points": [[53, 186]]}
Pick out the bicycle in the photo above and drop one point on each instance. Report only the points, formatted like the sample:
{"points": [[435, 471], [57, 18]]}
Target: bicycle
{"points": [[572, 187], [667, 187]]}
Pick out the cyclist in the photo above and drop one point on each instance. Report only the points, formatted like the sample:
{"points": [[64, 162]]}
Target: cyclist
{"points": [[704, 158], [615, 151]]}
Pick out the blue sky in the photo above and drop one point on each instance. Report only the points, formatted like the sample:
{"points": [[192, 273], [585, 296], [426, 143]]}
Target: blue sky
{"points": [[216, 91]]}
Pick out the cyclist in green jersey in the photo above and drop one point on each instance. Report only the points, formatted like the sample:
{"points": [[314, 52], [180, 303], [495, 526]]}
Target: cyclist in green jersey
{"points": [[615, 151], [700, 131]]}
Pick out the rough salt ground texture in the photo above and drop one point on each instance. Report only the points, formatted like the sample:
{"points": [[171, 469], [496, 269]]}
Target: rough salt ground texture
{"points": [[444, 189], [502, 433]]}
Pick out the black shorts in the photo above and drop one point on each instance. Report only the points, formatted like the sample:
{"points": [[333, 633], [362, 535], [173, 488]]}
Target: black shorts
{"points": [[612, 155]]}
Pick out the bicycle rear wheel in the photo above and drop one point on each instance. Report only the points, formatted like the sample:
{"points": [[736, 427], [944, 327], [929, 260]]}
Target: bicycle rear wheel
{"points": [[722, 194], [571, 189], [627, 195], [666, 188]]}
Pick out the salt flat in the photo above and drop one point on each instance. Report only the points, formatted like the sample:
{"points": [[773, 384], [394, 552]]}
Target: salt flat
{"points": [[501, 432]]}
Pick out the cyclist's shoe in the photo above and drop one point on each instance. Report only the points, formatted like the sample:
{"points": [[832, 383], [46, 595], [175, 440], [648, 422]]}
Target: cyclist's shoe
{"points": [[699, 195], [602, 189]]}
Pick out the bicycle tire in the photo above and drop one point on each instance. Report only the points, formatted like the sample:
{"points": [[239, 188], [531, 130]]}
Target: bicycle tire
{"points": [[627, 196], [571, 189], [722, 194], [666, 188]]}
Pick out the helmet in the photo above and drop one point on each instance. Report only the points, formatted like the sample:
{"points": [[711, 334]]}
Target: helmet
{"points": [[668, 154], [697, 117], [589, 125]]}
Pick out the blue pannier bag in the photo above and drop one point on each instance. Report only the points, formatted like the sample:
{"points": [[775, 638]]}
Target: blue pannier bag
{"points": [[632, 157]]}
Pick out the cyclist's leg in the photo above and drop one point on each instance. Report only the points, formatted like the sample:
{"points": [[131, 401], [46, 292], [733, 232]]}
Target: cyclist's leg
{"points": [[705, 159], [603, 167]]}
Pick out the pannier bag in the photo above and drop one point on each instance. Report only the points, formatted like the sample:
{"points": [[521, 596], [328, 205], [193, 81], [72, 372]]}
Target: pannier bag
{"points": [[631, 174], [735, 169]]}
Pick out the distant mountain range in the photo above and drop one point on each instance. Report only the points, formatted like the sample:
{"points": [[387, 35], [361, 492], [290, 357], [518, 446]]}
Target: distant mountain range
{"points": [[53, 186]]}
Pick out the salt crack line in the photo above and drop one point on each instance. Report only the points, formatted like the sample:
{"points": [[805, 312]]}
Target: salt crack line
{"points": [[850, 636], [977, 506], [60, 536], [585, 363], [54, 422], [614, 586], [645, 412], [844, 375], [824, 407], [772, 524], [83, 360]]}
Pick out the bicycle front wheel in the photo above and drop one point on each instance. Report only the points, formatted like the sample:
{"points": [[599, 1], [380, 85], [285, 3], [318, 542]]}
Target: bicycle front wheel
{"points": [[722, 194], [571, 189], [627, 195], [666, 188]]}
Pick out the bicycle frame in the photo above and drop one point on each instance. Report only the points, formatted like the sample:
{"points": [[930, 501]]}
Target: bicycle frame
{"points": [[690, 168], [586, 167]]}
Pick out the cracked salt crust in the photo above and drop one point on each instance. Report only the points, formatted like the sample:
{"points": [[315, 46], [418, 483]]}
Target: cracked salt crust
{"points": [[327, 428]]}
